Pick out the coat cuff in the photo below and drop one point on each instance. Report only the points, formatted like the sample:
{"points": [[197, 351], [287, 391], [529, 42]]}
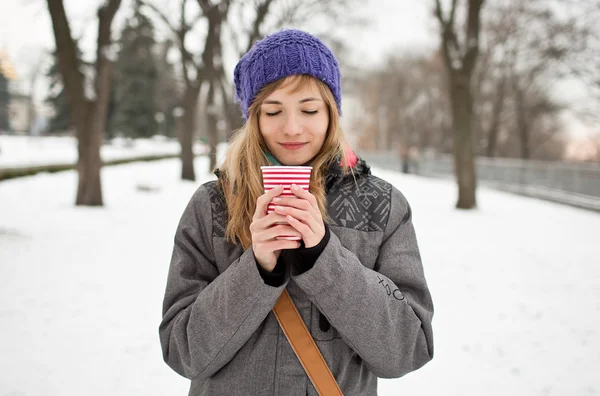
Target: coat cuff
{"points": [[303, 259], [275, 278]]}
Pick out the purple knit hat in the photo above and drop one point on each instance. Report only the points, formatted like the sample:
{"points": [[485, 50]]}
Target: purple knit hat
{"points": [[284, 54]]}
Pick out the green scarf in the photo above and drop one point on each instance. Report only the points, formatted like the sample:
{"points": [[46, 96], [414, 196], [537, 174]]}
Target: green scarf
{"points": [[271, 159]]}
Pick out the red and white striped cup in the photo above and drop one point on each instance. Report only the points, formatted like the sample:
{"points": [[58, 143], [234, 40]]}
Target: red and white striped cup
{"points": [[274, 176]]}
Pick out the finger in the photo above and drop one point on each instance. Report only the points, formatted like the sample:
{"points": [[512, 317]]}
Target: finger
{"points": [[270, 220], [279, 244], [262, 202], [295, 202], [298, 203], [299, 214], [259, 225], [302, 193], [304, 229], [279, 231]]}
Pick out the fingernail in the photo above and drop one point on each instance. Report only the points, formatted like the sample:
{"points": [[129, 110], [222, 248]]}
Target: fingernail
{"points": [[294, 187], [276, 199]]}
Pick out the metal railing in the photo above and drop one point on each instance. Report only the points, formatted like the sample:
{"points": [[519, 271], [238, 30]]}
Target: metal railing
{"points": [[576, 184]]}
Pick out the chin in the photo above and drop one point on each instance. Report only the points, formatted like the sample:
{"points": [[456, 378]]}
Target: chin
{"points": [[291, 160], [295, 161]]}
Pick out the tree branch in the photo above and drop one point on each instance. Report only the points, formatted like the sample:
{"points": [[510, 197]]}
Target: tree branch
{"points": [[452, 13], [261, 13], [450, 46], [68, 61], [439, 14], [161, 15], [473, 27], [106, 14], [185, 54], [180, 32], [205, 6]]}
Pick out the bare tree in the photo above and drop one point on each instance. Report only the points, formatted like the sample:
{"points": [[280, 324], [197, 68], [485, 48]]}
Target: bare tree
{"points": [[88, 113], [195, 70], [526, 50], [460, 62], [582, 50], [405, 104]]}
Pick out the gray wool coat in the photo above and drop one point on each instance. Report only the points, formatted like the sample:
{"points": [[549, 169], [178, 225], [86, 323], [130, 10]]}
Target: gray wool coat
{"points": [[218, 329]]}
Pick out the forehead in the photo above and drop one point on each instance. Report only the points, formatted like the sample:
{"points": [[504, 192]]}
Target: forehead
{"points": [[296, 85]]}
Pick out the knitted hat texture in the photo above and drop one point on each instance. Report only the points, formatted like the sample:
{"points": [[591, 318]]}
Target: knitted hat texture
{"points": [[282, 54]]}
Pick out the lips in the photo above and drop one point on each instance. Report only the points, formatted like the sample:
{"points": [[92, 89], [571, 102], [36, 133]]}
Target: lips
{"points": [[292, 146]]}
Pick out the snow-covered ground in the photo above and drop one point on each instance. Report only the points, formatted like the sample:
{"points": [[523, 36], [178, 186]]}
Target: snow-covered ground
{"points": [[516, 287], [17, 151]]}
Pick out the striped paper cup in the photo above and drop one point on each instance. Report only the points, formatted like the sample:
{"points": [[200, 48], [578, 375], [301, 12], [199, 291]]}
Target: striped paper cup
{"points": [[274, 176]]}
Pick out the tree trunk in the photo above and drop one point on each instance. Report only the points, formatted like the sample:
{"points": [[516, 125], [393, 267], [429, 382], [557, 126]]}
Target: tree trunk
{"points": [[89, 116], [89, 164], [233, 114], [213, 133], [522, 124], [460, 63], [462, 123], [186, 138], [498, 107]]}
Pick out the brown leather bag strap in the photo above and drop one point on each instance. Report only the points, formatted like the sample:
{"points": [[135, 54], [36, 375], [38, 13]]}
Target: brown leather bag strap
{"points": [[304, 346]]}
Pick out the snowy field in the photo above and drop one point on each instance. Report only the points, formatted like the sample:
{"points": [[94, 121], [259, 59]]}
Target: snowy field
{"points": [[516, 287], [16, 151]]}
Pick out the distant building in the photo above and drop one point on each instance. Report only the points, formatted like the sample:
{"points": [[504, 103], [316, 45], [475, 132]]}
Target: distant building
{"points": [[16, 110], [21, 113], [7, 73]]}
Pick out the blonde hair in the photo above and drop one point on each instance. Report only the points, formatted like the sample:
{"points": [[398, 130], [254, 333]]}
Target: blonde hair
{"points": [[241, 177]]}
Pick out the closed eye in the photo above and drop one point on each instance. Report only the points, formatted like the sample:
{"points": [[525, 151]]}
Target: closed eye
{"points": [[310, 112], [272, 114]]}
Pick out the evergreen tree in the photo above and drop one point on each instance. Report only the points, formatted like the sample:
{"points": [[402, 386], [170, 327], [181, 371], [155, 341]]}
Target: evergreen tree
{"points": [[57, 98], [4, 102], [136, 78]]}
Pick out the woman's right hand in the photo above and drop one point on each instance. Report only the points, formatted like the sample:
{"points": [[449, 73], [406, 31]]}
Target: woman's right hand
{"points": [[264, 230]]}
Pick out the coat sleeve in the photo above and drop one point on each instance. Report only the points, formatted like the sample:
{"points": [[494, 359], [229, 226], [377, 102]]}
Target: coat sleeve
{"points": [[384, 314], [207, 316]]}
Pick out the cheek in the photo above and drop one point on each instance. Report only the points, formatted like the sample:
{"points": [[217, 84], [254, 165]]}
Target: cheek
{"points": [[268, 131], [265, 127], [319, 126]]}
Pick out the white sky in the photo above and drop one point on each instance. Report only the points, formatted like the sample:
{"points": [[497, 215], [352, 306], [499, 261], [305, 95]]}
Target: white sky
{"points": [[396, 26], [516, 296]]}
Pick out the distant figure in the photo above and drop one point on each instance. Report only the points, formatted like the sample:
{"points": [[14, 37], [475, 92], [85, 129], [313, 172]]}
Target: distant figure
{"points": [[354, 276], [414, 158], [403, 151]]}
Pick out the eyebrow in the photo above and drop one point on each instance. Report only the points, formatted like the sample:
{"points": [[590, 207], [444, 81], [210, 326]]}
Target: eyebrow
{"points": [[302, 101]]}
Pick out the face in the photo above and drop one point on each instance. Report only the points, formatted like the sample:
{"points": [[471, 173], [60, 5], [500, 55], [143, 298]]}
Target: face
{"points": [[293, 121]]}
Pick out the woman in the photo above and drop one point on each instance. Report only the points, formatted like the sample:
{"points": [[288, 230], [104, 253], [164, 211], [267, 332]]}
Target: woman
{"points": [[356, 275]]}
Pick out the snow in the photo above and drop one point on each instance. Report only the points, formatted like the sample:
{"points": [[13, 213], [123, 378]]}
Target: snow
{"points": [[516, 287], [22, 151], [18, 151]]}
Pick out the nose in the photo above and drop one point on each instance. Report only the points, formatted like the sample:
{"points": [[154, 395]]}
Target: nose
{"points": [[292, 126]]}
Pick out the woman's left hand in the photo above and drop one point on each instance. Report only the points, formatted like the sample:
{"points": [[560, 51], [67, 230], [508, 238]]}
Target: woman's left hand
{"points": [[303, 214]]}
